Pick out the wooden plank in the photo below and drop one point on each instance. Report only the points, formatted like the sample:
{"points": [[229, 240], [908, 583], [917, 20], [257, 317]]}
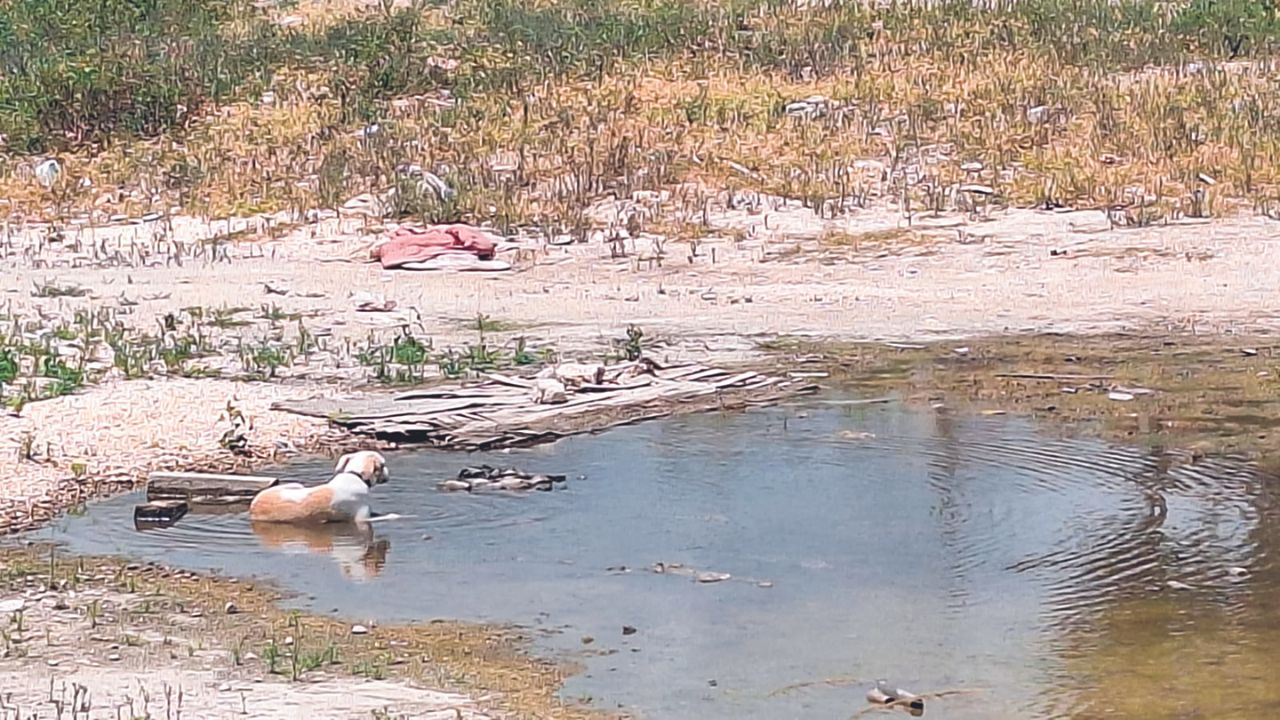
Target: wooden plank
{"points": [[589, 387], [510, 381], [187, 485], [683, 371], [498, 413], [1049, 376], [159, 513], [483, 392], [734, 380]]}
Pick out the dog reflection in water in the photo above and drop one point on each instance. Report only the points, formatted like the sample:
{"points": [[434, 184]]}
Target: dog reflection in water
{"points": [[331, 519], [360, 556]]}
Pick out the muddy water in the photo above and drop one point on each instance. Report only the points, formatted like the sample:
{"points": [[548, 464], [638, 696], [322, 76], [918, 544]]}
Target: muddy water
{"points": [[1060, 578]]}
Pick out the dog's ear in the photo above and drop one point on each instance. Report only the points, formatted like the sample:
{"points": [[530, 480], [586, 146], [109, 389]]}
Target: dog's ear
{"points": [[342, 463]]}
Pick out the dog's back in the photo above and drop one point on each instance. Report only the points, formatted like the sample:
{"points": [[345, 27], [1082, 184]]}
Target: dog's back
{"points": [[293, 502]]}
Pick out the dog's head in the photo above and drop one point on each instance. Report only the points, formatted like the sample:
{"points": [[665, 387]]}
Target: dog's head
{"points": [[369, 465]]}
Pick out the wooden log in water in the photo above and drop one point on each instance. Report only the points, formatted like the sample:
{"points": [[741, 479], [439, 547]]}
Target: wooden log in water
{"points": [[190, 485]]}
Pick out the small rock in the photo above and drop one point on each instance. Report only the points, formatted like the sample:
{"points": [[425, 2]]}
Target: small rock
{"points": [[587, 640], [47, 172], [359, 630], [231, 609], [52, 663], [225, 687], [628, 630], [1119, 396], [114, 657]]}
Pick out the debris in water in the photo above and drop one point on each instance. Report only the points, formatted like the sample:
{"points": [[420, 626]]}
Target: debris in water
{"points": [[886, 694], [713, 577], [159, 513], [487, 477], [359, 630], [1119, 396], [857, 435], [1175, 585]]}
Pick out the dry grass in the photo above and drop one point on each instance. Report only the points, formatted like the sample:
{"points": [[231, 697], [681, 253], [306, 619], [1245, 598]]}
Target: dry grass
{"points": [[533, 111]]}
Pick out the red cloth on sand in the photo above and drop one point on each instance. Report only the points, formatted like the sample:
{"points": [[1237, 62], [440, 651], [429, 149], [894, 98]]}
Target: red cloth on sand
{"points": [[411, 244]]}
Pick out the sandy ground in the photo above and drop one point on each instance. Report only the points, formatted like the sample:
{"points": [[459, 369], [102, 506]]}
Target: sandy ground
{"points": [[93, 650], [771, 269], [774, 270]]}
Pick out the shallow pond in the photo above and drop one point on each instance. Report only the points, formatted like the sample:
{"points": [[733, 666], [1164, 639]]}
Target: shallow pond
{"points": [[1060, 578]]}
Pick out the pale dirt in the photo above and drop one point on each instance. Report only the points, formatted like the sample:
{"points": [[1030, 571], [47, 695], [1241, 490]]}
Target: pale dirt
{"points": [[138, 663], [759, 275], [768, 274]]}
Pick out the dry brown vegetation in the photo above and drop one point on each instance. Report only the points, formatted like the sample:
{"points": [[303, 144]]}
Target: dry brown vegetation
{"points": [[532, 110]]}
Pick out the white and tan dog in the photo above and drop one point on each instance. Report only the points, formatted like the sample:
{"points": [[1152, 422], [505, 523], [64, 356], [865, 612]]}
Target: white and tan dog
{"points": [[345, 498]]}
